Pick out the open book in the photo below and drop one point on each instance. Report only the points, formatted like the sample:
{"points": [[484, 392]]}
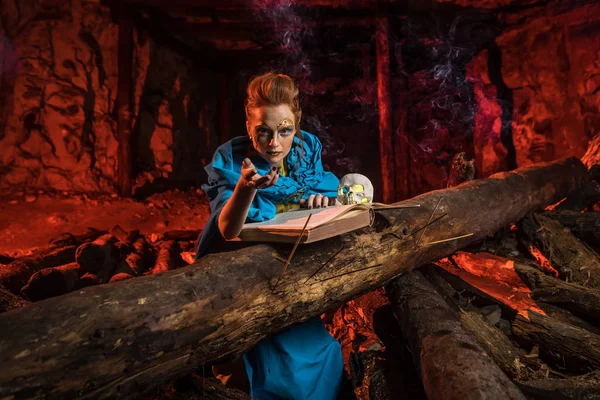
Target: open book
{"points": [[324, 223]]}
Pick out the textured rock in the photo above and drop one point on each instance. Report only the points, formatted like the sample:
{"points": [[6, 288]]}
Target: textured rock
{"points": [[552, 63], [58, 90]]}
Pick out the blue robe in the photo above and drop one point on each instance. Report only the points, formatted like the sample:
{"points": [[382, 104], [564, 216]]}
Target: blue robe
{"points": [[303, 361]]}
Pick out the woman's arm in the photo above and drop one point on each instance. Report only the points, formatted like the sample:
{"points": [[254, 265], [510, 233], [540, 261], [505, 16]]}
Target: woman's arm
{"points": [[235, 211]]}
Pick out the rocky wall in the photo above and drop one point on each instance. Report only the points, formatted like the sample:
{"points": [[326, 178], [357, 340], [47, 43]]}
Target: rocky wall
{"points": [[57, 95], [551, 62]]}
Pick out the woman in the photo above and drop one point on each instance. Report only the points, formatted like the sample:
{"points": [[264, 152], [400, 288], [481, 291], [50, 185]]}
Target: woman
{"points": [[277, 167]]}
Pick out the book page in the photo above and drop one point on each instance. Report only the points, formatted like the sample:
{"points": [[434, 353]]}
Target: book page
{"points": [[295, 220]]}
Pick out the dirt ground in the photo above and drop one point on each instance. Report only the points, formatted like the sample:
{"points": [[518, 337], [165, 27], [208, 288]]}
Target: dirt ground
{"points": [[29, 220]]}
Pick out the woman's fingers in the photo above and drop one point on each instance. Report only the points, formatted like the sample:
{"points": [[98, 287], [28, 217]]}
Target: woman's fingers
{"points": [[310, 201], [324, 201], [318, 200], [269, 179]]}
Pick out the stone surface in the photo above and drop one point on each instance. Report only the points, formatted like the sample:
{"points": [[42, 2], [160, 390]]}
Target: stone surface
{"points": [[551, 62], [58, 90]]}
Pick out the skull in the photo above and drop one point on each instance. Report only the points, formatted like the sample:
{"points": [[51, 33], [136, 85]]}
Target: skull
{"points": [[355, 189]]}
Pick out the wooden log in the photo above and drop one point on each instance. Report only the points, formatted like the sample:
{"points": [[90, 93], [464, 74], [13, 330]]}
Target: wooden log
{"points": [[10, 301], [575, 261], [584, 387], [212, 389], [495, 343], [50, 282], [570, 342], [452, 363], [99, 257], [142, 257], [15, 275], [127, 337], [129, 262], [583, 198], [555, 312], [69, 239], [168, 257], [368, 371], [580, 300], [585, 226]]}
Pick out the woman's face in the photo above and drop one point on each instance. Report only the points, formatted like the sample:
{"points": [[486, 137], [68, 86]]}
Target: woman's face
{"points": [[272, 131]]}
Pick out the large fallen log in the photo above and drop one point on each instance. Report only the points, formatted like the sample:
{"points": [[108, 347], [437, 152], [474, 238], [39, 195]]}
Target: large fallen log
{"points": [[451, 361], [117, 340]]}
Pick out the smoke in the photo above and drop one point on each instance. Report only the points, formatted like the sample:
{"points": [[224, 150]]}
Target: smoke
{"points": [[435, 51], [10, 60]]}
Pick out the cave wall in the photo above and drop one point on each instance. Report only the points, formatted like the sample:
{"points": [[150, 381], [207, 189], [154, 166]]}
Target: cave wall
{"points": [[510, 89], [551, 63], [57, 93]]}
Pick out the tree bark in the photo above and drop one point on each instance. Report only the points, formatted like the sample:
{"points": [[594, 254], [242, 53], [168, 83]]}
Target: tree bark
{"points": [[585, 226], [496, 343], [584, 387], [586, 197], [570, 342], [582, 301], [574, 261], [50, 282], [120, 339], [452, 363]]}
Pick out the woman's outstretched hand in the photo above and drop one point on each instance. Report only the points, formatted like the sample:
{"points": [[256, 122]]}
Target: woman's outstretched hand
{"points": [[318, 200], [252, 179]]}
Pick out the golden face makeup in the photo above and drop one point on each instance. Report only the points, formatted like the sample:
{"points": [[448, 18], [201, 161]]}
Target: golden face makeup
{"points": [[272, 131], [285, 123]]}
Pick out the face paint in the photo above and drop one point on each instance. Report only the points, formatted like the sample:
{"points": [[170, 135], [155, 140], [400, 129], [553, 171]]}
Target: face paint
{"points": [[285, 123], [272, 130], [355, 189]]}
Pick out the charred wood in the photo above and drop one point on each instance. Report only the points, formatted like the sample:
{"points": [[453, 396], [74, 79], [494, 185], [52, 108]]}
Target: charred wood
{"points": [[584, 387], [583, 198], [99, 257], [451, 361], [580, 300], [367, 369], [168, 258], [495, 343], [15, 275], [575, 261], [50, 282], [570, 342], [212, 389], [585, 226]]}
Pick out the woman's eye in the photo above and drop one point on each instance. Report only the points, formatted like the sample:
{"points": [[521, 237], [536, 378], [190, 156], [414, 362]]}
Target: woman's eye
{"points": [[286, 132], [263, 132]]}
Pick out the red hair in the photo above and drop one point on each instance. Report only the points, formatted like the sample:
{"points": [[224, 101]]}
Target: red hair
{"points": [[273, 89]]}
